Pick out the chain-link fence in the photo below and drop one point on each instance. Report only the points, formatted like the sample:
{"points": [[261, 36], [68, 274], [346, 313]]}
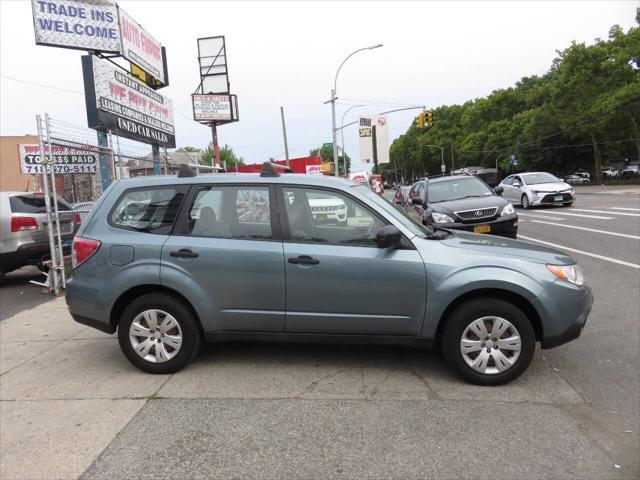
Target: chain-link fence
{"points": [[75, 166]]}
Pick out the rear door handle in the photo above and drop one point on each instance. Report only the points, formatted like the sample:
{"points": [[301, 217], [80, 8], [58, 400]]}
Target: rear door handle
{"points": [[304, 260], [183, 253]]}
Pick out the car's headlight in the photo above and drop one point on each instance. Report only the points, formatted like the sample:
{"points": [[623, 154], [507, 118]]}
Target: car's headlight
{"points": [[508, 210], [441, 218], [568, 273]]}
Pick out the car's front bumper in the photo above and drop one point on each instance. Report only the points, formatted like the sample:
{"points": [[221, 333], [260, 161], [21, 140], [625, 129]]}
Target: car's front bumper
{"points": [[563, 309], [539, 199], [506, 226]]}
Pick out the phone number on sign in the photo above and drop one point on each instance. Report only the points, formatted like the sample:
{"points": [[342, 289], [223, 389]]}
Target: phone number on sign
{"points": [[61, 168]]}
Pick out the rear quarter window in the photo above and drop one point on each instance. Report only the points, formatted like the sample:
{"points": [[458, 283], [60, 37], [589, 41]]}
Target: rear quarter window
{"points": [[151, 210], [33, 204]]}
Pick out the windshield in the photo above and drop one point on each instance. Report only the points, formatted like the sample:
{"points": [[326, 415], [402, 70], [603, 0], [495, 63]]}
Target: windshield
{"points": [[537, 178], [399, 214], [456, 189]]}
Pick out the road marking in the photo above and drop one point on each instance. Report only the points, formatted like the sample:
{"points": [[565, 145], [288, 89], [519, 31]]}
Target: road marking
{"points": [[587, 216], [624, 208], [594, 255], [608, 213], [634, 237], [546, 217]]}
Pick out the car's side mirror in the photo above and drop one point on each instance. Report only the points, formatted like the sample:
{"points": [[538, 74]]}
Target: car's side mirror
{"points": [[498, 190], [388, 237], [516, 184], [416, 201]]}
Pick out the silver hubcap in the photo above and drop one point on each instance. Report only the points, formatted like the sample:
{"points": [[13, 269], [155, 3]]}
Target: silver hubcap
{"points": [[155, 336], [490, 345]]}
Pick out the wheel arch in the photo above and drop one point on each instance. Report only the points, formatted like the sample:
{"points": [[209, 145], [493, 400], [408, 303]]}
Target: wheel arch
{"points": [[129, 295], [512, 297]]}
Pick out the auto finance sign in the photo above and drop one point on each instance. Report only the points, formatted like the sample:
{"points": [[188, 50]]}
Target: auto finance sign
{"points": [[65, 160], [85, 25], [119, 103]]}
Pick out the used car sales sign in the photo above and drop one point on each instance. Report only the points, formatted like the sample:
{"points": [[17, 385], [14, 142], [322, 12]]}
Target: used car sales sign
{"points": [[119, 103], [65, 160]]}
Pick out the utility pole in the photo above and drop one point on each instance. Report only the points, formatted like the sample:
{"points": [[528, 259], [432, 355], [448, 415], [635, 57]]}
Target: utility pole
{"points": [[284, 134], [375, 148], [214, 144], [453, 167]]}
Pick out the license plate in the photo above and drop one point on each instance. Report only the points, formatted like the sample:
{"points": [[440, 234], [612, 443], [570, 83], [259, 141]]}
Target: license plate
{"points": [[322, 218], [557, 198], [482, 229]]}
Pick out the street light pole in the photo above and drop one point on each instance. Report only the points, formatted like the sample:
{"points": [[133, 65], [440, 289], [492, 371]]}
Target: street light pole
{"points": [[344, 155], [442, 166], [334, 130]]}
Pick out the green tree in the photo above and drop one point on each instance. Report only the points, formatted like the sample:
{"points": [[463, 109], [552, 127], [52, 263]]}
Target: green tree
{"points": [[188, 149], [228, 157]]}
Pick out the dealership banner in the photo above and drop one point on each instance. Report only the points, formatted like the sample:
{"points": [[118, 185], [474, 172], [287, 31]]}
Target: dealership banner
{"points": [[81, 24], [366, 145], [141, 48], [65, 159], [365, 134], [119, 103]]}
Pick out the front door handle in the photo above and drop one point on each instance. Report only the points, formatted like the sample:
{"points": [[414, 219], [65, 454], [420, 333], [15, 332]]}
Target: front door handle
{"points": [[304, 260], [183, 253]]}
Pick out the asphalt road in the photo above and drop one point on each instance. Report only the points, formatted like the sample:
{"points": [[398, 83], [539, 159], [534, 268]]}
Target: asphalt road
{"points": [[17, 294]]}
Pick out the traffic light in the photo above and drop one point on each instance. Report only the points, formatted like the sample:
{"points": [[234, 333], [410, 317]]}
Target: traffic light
{"points": [[428, 119], [420, 119]]}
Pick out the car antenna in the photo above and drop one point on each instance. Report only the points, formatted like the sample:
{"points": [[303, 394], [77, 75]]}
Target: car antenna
{"points": [[268, 170], [186, 171]]}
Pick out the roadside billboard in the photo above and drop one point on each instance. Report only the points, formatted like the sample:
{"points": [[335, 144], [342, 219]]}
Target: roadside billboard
{"points": [[366, 145], [382, 138], [365, 133], [219, 108], [119, 103], [66, 160], [79, 24], [140, 48]]}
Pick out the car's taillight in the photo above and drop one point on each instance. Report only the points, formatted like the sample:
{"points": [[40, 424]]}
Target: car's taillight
{"points": [[18, 224], [82, 249], [77, 219]]}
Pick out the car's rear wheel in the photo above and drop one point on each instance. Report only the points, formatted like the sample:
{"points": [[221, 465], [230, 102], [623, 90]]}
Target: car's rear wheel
{"points": [[525, 201], [158, 333], [488, 341]]}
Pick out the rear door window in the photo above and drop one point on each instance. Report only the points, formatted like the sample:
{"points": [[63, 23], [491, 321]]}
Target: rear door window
{"points": [[32, 203], [151, 210]]}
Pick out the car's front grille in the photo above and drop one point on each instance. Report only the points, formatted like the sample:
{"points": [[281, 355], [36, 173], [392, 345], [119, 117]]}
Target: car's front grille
{"points": [[324, 209], [477, 214], [550, 198]]}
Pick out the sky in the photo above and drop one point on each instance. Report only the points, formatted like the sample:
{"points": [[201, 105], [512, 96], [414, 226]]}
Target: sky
{"points": [[286, 54]]}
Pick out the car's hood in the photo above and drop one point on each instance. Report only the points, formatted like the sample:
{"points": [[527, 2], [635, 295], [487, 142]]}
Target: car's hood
{"points": [[550, 187], [469, 204], [494, 245]]}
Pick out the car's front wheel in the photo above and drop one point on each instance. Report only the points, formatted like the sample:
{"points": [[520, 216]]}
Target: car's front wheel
{"points": [[525, 201], [158, 333], [488, 341]]}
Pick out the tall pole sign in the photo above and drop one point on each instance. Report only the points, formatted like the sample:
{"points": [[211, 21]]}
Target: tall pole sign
{"points": [[213, 105], [119, 98]]}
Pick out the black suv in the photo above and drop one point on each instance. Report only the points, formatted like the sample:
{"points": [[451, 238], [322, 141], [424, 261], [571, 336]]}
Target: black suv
{"points": [[462, 202]]}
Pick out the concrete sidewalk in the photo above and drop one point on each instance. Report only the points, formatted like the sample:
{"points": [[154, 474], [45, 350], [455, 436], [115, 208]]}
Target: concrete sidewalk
{"points": [[608, 189], [71, 405]]}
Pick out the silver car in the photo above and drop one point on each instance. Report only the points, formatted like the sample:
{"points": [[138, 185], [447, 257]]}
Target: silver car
{"points": [[185, 265], [534, 189], [24, 238]]}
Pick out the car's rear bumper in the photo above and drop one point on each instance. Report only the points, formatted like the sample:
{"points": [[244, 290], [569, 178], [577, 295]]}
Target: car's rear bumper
{"points": [[506, 226], [27, 254]]}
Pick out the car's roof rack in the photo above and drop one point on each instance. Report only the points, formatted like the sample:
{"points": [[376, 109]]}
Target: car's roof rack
{"points": [[186, 171], [440, 175], [270, 169]]}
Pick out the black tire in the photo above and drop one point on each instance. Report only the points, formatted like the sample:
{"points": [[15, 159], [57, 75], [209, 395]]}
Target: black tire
{"points": [[463, 316], [568, 204], [2, 276], [525, 201], [183, 315]]}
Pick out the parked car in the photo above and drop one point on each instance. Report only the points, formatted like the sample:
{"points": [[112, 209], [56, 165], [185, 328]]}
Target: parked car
{"points": [[24, 237], [402, 194], [533, 189], [631, 171], [581, 172], [462, 202], [166, 281], [575, 180], [609, 172]]}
